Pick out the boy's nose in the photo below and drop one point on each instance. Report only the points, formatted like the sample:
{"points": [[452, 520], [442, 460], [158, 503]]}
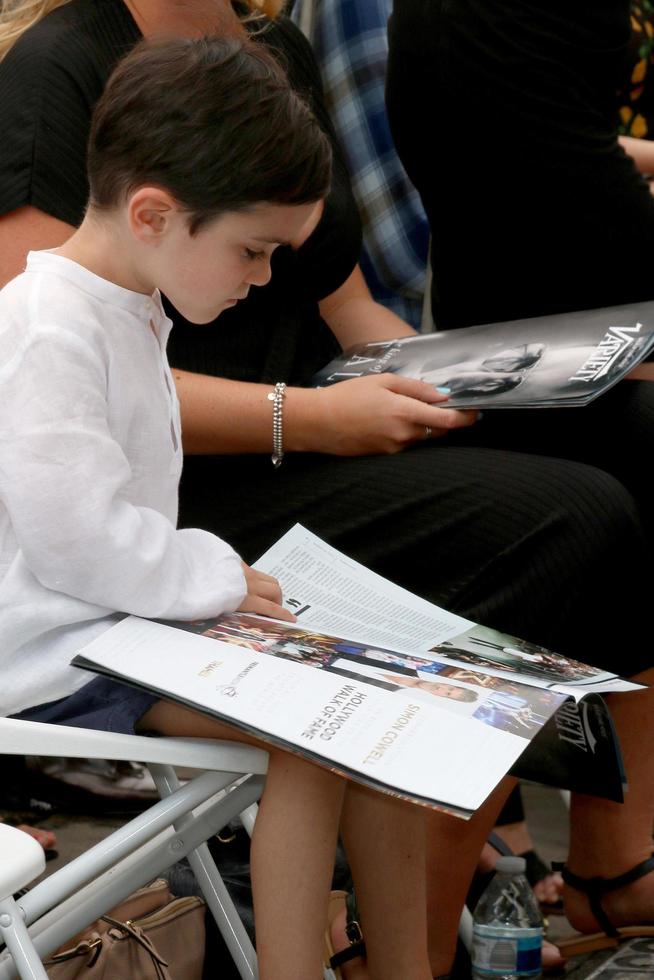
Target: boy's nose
{"points": [[260, 273]]}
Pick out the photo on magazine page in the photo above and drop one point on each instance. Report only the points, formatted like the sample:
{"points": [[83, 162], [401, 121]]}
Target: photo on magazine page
{"points": [[360, 726], [435, 733], [565, 360], [504, 704], [481, 647]]}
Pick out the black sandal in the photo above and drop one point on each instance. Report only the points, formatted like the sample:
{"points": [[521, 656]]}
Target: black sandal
{"points": [[356, 946], [595, 889]]}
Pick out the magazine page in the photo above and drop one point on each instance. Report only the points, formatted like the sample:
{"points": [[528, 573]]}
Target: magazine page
{"points": [[566, 744], [334, 594], [494, 701], [566, 359], [389, 736]]}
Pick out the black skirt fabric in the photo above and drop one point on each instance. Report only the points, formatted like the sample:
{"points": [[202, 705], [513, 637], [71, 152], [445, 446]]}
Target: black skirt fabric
{"points": [[529, 542]]}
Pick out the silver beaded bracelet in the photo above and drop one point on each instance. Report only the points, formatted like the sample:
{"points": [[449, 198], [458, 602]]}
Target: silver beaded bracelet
{"points": [[277, 398]]}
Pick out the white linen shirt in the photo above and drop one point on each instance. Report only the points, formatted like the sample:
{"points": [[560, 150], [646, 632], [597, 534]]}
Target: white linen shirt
{"points": [[90, 459]]}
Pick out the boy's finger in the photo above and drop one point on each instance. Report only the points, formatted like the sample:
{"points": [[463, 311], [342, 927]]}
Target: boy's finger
{"points": [[266, 577], [266, 607], [268, 588]]}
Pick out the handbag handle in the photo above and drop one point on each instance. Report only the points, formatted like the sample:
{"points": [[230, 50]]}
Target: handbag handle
{"points": [[136, 933], [94, 946]]}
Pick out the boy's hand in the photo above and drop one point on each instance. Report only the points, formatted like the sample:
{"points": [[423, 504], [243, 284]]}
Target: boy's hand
{"points": [[264, 595]]}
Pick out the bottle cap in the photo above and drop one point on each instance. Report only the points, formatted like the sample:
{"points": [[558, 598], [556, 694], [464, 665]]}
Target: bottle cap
{"points": [[511, 865]]}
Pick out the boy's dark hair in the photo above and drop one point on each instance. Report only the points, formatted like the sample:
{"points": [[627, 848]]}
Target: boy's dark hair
{"points": [[213, 121]]}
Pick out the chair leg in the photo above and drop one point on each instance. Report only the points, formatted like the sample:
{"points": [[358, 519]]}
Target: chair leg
{"points": [[17, 940], [248, 818], [212, 887]]}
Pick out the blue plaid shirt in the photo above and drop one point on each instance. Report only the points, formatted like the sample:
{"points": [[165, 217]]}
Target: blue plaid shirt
{"points": [[350, 43]]}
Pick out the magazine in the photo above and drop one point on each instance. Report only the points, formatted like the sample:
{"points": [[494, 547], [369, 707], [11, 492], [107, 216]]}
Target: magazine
{"points": [[401, 695], [563, 360]]}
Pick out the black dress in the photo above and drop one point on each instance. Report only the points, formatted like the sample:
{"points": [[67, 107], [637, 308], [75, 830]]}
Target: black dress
{"points": [[525, 544], [534, 207]]}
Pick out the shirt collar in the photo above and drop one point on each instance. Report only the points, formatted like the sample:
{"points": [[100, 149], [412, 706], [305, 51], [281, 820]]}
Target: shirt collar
{"points": [[147, 308]]}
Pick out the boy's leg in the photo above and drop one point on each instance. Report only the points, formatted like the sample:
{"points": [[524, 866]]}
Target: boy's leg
{"points": [[293, 848], [453, 849], [384, 839]]}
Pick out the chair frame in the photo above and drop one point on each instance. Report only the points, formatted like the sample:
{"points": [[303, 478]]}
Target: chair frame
{"points": [[229, 783]]}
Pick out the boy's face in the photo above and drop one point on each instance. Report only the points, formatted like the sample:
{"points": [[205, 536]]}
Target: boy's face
{"points": [[205, 273]]}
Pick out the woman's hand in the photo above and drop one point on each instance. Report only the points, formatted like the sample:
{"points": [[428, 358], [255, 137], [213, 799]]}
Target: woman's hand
{"points": [[381, 413], [264, 595]]}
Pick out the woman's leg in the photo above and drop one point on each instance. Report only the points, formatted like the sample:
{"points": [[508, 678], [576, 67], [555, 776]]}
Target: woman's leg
{"points": [[608, 839], [293, 848]]}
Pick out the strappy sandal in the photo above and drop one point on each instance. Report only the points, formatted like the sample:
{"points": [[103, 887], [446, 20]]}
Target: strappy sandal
{"points": [[595, 889], [357, 947]]}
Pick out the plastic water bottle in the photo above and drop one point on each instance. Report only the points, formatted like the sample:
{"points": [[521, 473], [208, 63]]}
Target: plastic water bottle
{"points": [[507, 930]]}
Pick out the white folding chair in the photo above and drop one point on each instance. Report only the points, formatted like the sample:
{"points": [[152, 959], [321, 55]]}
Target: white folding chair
{"points": [[229, 782], [21, 860]]}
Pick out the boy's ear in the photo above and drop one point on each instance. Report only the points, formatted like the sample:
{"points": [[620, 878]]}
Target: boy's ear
{"points": [[150, 211]]}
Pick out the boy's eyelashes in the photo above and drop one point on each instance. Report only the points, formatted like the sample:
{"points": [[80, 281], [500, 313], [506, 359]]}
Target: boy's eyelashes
{"points": [[251, 254]]}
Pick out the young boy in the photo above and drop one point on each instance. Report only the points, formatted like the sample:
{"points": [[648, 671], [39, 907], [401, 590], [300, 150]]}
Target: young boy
{"points": [[201, 162]]}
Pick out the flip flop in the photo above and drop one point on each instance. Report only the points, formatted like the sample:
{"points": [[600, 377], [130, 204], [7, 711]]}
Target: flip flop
{"points": [[338, 900], [595, 889]]}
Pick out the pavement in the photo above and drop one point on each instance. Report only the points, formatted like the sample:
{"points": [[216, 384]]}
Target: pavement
{"points": [[547, 817]]}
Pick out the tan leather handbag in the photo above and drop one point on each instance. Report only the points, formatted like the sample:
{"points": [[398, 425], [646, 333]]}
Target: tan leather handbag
{"points": [[149, 936]]}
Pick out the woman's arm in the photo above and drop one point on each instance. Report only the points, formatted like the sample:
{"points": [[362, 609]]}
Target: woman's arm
{"points": [[355, 318], [367, 415], [381, 413], [641, 152], [24, 229]]}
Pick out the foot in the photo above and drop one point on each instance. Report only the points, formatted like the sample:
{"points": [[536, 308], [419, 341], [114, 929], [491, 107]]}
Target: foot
{"points": [[45, 838], [552, 959], [631, 905], [547, 885], [355, 969], [548, 889]]}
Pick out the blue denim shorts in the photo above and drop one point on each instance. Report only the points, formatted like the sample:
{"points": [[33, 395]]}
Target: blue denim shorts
{"points": [[103, 705]]}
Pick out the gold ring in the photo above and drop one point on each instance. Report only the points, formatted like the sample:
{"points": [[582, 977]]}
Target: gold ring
{"points": [[428, 432]]}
